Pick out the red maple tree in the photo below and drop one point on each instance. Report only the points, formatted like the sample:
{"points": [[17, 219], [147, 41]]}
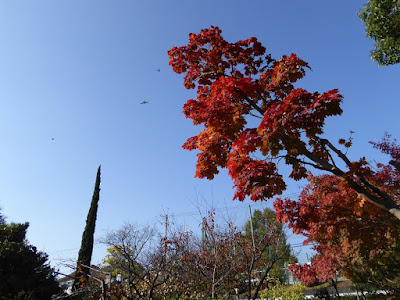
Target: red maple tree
{"points": [[350, 235], [237, 81]]}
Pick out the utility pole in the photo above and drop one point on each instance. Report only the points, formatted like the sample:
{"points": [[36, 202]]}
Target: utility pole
{"points": [[250, 277], [187, 237], [166, 225], [166, 234], [251, 228]]}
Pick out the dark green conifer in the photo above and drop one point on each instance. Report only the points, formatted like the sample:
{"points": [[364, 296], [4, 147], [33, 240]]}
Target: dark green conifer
{"points": [[24, 271], [85, 253]]}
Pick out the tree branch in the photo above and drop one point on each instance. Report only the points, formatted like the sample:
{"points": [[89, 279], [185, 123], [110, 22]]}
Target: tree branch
{"points": [[386, 202], [251, 102], [323, 165], [251, 114], [337, 151], [305, 162], [332, 160], [395, 164]]}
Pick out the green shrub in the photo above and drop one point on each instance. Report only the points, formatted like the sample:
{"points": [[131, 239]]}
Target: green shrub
{"points": [[294, 292]]}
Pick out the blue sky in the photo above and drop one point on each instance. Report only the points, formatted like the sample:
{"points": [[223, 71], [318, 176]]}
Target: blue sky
{"points": [[77, 71]]}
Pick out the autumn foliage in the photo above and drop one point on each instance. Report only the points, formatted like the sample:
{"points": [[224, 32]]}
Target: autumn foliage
{"points": [[254, 116], [349, 234]]}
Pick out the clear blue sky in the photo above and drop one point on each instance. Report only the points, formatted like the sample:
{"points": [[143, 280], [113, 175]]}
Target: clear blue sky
{"points": [[76, 71]]}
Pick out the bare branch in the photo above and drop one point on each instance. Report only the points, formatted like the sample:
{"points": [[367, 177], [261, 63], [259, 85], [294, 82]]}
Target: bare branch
{"points": [[332, 160], [337, 151], [395, 164], [251, 102], [305, 162], [253, 115]]}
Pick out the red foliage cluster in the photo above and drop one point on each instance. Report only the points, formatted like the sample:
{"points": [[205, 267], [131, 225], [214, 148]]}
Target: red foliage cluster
{"points": [[388, 146], [237, 80], [349, 234]]}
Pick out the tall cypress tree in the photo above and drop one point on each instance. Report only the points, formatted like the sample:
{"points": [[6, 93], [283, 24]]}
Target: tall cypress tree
{"points": [[85, 253]]}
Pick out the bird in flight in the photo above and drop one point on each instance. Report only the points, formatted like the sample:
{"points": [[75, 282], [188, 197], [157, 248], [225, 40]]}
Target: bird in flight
{"points": [[52, 139], [144, 102], [158, 70]]}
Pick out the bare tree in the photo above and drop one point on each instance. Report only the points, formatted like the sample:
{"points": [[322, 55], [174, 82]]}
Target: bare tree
{"points": [[139, 254], [212, 257]]}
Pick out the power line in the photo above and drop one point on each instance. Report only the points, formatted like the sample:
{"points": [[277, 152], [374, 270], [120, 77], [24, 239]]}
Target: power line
{"points": [[240, 206]]}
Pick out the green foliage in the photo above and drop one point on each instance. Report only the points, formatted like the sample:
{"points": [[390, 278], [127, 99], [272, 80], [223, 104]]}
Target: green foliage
{"points": [[263, 221], [382, 23], [279, 291], [24, 271], [85, 252]]}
